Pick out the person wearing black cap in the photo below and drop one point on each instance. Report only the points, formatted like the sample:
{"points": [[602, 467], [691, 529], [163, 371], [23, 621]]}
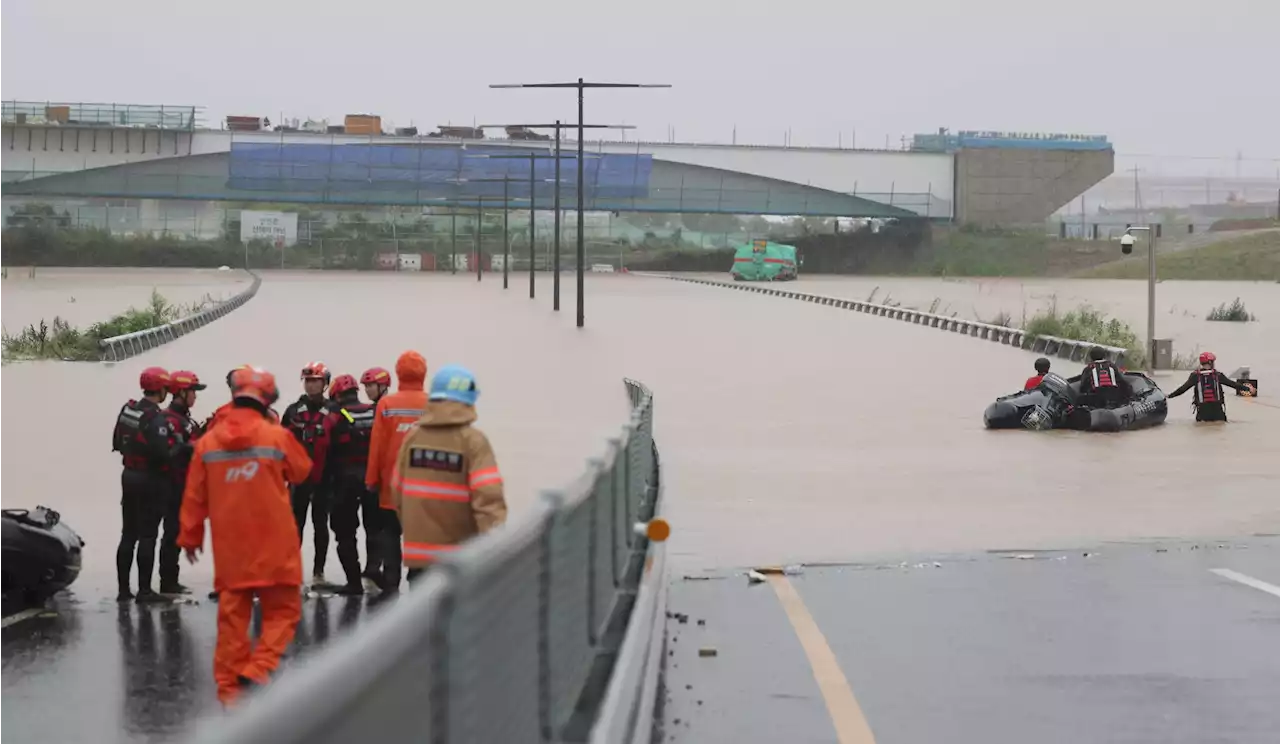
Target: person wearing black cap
{"points": [[1042, 369]]}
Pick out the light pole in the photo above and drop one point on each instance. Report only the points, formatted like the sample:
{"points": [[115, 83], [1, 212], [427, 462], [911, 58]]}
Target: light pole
{"points": [[581, 87], [1126, 245], [533, 159], [557, 126], [506, 210]]}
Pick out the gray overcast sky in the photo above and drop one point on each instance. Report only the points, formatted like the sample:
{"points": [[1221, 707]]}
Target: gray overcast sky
{"points": [[1158, 76]]}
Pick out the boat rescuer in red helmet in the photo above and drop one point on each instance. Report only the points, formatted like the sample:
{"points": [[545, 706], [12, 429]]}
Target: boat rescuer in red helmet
{"points": [[1210, 403], [1102, 379], [305, 418], [184, 385], [238, 482], [148, 448], [344, 449]]}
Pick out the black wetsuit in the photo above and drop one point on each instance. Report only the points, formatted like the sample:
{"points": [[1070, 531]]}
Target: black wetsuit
{"points": [[1210, 403], [1102, 381]]}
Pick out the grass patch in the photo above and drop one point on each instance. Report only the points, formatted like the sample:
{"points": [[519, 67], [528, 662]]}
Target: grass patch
{"points": [[57, 339], [1246, 258], [974, 251], [1235, 312], [1086, 324]]}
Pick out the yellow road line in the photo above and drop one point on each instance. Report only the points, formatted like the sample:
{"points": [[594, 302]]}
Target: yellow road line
{"points": [[846, 714]]}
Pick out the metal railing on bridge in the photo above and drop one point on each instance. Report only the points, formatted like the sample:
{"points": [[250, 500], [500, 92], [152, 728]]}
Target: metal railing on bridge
{"points": [[526, 634], [126, 115], [117, 348]]}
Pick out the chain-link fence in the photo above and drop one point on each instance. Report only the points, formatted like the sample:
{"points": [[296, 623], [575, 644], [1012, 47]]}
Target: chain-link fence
{"points": [[512, 639]]}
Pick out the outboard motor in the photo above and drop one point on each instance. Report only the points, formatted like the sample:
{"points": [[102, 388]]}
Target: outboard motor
{"points": [[1058, 399], [41, 555]]}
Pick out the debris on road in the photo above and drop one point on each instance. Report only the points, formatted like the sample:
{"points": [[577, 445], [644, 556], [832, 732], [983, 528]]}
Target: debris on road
{"points": [[707, 651]]}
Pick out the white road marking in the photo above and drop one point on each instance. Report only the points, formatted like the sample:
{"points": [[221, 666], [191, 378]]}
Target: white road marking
{"points": [[1249, 581], [18, 617]]}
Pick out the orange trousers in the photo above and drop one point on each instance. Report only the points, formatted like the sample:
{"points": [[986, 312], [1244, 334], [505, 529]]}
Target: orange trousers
{"points": [[237, 655]]}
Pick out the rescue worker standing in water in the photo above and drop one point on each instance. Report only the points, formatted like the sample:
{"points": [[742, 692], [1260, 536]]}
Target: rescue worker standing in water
{"points": [[143, 437], [1210, 403], [238, 482], [344, 449], [447, 485], [183, 385], [396, 415], [305, 419], [1101, 378]]}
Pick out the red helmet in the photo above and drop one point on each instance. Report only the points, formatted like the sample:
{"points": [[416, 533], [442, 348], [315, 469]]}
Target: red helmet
{"points": [[316, 371], [180, 380], [154, 380], [343, 384], [375, 375], [255, 384], [1208, 357]]}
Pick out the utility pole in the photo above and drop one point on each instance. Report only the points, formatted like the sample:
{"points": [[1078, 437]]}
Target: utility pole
{"points": [[506, 212], [581, 86], [533, 159]]}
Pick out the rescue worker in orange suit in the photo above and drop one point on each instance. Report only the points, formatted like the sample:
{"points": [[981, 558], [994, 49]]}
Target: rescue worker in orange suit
{"points": [[1042, 369], [237, 481], [1102, 379], [143, 438], [305, 418], [183, 385], [396, 414], [344, 449], [447, 485], [376, 382], [1210, 403]]}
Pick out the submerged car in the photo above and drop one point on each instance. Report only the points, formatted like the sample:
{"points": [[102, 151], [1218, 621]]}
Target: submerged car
{"points": [[41, 555], [1056, 403]]}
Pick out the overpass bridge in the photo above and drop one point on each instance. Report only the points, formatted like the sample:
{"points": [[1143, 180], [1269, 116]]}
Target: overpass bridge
{"points": [[158, 160]]}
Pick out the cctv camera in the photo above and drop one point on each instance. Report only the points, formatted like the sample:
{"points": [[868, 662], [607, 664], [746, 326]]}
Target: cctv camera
{"points": [[1126, 244]]}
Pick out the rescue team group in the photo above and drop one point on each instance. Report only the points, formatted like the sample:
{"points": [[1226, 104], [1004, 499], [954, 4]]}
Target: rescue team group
{"points": [[1101, 377], [409, 462]]}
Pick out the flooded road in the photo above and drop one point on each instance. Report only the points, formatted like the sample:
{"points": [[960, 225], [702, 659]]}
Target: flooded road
{"points": [[86, 296], [789, 433]]}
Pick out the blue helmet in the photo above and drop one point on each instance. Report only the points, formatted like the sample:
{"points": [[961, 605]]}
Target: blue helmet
{"points": [[455, 382]]}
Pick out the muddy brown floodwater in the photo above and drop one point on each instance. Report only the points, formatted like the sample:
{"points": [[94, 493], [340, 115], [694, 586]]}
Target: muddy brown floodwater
{"points": [[789, 432], [85, 296]]}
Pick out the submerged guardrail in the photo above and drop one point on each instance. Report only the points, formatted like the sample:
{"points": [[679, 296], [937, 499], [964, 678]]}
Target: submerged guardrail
{"points": [[1064, 348], [525, 634], [117, 348]]}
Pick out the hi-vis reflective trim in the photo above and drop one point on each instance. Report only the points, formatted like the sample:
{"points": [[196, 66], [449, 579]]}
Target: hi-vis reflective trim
{"points": [[414, 412], [251, 453], [426, 489], [485, 477], [425, 550]]}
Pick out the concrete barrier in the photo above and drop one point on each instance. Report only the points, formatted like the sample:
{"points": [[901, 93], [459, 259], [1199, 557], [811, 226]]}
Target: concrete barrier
{"points": [[118, 348], [1064, 348]]}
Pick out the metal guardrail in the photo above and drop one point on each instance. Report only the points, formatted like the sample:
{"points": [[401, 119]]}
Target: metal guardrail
{"points": [[118, 348], [82, 114], [522, 635], [1064, 348]]}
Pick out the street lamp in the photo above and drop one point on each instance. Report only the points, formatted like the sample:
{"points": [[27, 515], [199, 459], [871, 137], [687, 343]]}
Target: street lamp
{"points": [[506, 209], [557, 126], [533, 159], [1126, 246], [581, 86]]}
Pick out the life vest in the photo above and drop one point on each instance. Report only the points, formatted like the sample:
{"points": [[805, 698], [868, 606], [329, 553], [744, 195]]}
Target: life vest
{"points": [[1208, 387], [352, 433], [1103, 374], [183, 428], [307, 423], [129, 437]]}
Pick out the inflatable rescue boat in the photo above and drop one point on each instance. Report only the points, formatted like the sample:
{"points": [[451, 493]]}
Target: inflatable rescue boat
{"points": [[41, 555], [1057, 404]]}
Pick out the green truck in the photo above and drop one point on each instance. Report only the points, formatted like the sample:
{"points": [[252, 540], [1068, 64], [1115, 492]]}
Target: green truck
{"points": [[762, 261]]}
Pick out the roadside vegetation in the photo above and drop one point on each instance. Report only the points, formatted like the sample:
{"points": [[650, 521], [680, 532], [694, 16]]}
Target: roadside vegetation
{"points": [[1235, 312], [58, 339], [1253, 257], [1087, 324], [974, 251]]}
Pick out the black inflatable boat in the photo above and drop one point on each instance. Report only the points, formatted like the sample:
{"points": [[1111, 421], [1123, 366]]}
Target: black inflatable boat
{"points": [[41, 555], [1058, 404]]}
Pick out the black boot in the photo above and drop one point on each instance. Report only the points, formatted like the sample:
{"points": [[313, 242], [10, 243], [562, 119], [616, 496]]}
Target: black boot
{"points": [[146, 567], [124, 562]]}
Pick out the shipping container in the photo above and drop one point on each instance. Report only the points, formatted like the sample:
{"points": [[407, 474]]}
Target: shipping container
{"points": [[362, 124], [428, 262], [244, 123]]}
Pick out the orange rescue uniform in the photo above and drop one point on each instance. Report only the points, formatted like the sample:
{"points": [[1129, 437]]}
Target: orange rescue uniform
{"points": [[237, 481], [397, 414]]}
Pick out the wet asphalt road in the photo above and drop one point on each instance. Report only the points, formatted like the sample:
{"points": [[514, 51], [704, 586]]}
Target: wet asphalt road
{"points": [[107, 672], [1131, 643]]}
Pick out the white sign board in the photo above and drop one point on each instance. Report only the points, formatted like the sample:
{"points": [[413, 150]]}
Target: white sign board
{"points": [[277, 228]]}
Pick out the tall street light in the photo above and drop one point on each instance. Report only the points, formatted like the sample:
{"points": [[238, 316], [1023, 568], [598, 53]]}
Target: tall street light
{"points": [[581, 87], [557, 126], [506, 210], [533, 159]]}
